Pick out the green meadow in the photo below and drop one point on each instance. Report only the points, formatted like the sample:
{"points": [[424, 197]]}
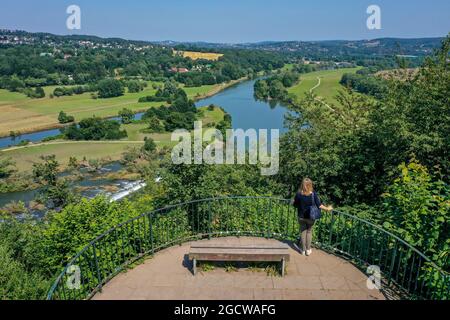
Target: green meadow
{"points": [[100, 150], [329, 84], [23, 114]]}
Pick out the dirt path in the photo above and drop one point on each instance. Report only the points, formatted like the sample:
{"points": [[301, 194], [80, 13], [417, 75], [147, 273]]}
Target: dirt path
{"points": [[316, 86]]}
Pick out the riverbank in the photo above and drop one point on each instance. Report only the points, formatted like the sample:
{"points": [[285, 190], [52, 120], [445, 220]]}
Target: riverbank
{"points": [[48, 123], [104, 150], [221, 88]]}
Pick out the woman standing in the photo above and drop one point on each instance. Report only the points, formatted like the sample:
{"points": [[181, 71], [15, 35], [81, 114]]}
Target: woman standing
{"points": [[304, 200]]}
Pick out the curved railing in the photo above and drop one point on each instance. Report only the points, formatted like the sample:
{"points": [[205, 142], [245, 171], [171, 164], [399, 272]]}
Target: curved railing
{"points": [[403, 267]]}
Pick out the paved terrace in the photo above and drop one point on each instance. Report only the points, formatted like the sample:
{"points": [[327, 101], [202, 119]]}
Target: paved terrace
{"points": [[168, 276]]}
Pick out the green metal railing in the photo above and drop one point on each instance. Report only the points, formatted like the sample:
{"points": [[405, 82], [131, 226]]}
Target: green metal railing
{"points": [[403, 267]]}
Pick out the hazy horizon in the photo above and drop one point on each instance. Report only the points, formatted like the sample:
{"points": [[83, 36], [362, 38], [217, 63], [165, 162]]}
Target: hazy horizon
{"points": [[210, 42]]}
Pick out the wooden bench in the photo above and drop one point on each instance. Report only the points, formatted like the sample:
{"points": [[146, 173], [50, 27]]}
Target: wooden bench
{"points": [[247, 253]]}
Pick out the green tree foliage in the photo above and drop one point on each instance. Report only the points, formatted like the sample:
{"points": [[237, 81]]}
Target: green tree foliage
{"points": [[275, 87], [367, 84], [181, 114], [22, 267], [110, 88], [154, 125], [352, 149], [69, 91], [95, 129], [37, 93], [417, 207], [126, 115], [15, 282], [183, 183], [149, 145], [7, 167], [135, 86], [54, 191], [78, 224], [64, 118]]}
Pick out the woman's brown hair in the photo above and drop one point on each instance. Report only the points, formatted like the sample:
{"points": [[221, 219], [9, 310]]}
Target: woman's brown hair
{"points": [[306, 187]]}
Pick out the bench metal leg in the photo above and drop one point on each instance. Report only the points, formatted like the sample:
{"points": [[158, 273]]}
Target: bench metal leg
{"points": [[283, 265], [194, 266]]}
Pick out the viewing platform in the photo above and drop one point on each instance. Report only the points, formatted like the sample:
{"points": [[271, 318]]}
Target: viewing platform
{"points": [[168, 276], [147, 257]]}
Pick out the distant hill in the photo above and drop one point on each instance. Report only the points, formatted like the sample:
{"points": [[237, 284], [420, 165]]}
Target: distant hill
{"points": [[377, 47]]}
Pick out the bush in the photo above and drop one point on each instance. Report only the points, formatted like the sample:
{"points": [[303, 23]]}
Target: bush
{"points": [[95, 129], [78, 224], [110, 88], [64, 118], [126, 115], [149, 145]]}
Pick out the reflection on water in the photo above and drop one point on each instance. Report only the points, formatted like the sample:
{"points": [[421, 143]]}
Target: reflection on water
{"points": [[246, 112]]}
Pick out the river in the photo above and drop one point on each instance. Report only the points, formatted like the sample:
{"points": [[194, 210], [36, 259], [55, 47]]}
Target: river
{"points": [[238, 101]]}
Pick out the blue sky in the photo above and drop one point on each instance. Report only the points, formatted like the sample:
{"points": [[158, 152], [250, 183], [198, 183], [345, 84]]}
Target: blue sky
{"points": [[231, 20]]}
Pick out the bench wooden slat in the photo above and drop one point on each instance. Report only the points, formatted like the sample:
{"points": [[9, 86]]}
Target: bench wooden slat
{"points": [[226, 252]]}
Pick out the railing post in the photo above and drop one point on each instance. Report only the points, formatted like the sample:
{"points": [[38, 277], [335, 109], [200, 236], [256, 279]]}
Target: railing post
{"points": [[394, 256], [268, 220], [331, 228], [209, 220], [97, 267], [150, 218]]}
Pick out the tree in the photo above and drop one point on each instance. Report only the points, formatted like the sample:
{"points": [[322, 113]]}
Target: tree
{"points": [[261, 89], [416, 206], [77, 224], [64, 118], [149, 145], [54, 192], [134, 86], [16, 282], [95, 129], [155, 125], [7, 167], [39, 92], [110, 88], [126, 115]]}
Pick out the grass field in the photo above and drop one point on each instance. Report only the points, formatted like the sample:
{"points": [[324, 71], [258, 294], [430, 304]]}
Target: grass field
{"points": [[105, 150], [200, 55], [19, 113], [329, 84]]}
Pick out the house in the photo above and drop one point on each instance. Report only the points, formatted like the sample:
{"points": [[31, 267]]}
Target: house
{"points": [[179, 70]]}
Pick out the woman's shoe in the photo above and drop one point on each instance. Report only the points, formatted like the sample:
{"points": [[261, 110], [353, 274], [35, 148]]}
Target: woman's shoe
{"points": [[308, 252]]}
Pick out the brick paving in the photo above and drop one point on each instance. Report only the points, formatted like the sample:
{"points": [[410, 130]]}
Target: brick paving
{"points": [[168, 276]]}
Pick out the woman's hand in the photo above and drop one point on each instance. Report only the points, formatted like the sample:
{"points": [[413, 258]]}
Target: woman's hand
{"points": [[326, 208]]}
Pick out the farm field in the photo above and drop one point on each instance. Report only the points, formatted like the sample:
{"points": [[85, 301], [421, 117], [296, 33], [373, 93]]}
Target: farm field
{"points": [[329, 84], [23, 114], [200, 55], [100, 150]]}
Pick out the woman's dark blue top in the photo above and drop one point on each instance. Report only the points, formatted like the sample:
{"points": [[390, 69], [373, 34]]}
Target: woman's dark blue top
{"points": [[303, 204]]}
